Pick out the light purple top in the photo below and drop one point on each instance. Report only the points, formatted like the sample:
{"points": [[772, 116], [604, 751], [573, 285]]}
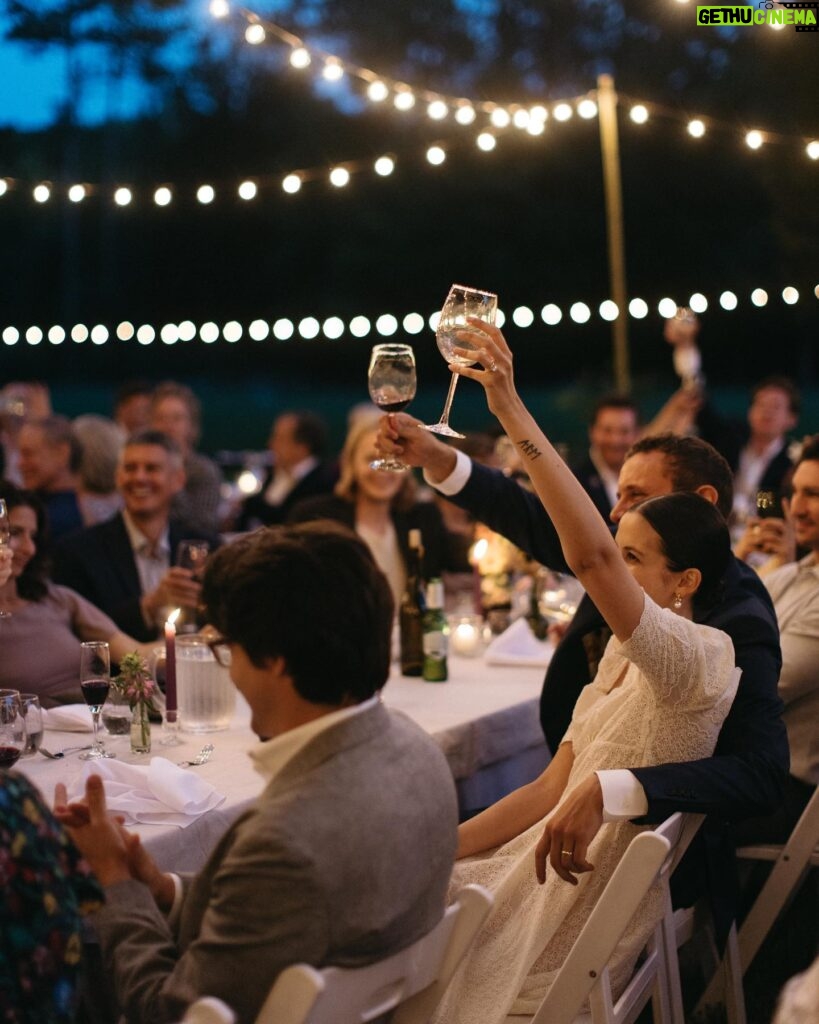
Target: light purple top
{"points": [[40, 645]]}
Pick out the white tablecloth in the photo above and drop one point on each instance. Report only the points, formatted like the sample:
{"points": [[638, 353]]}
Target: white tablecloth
{"points": [[485, 719]]}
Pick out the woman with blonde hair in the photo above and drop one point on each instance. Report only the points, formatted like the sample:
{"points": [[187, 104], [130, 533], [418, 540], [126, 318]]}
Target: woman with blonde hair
{"points": [[381, 508]]}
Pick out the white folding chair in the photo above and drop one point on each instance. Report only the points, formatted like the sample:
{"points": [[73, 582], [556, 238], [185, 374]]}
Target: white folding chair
{"points": [[792, 862], [404, 989], [584, 976]]}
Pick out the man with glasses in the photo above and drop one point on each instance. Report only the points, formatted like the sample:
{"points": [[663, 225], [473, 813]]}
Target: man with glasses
{"points": [[325, 867]]}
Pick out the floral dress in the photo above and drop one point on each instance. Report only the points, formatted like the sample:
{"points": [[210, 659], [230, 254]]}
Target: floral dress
{"points": [[658, 698], [46, 888]]}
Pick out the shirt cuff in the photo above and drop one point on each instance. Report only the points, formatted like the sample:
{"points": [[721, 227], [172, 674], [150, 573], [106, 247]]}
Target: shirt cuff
{"points": [[456, 481], [176, 906], [623, 796]]}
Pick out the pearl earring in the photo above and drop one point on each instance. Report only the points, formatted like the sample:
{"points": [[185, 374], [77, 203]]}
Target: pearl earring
{"points": [[677, 601]]}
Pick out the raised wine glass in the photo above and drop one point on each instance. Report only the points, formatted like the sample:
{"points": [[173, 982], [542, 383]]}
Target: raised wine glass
{"points": [[5, 535], [392, 383], [95, 682], [453, 332], [192, 555], [12, 728]]}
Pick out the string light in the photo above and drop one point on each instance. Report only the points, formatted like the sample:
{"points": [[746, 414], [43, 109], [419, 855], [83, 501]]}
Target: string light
{"points": [[754, 139], [248, 190], [404, 99], [300, 58], [437, 110], [436, 155], [333, 70], [587, 109], [465, 114], [163, 196], [384, 166], [639, 113], [255, 34], [335, 327], [562, 112], [486, 141], [291, 183], [41, 193], [500, 118], [378, 92], [76, 193], [205, 194], [123, 196], [696, 128], [812, 149], [339, 176]]}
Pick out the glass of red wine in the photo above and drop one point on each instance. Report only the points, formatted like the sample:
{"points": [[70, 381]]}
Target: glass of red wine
{"points": [[392, 383], [95, 682], [12, 728]]}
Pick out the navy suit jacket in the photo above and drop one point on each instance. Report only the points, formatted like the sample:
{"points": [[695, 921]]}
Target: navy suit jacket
{"points": [[586, 473], [746, 775], [256, 512], [98, 562]]}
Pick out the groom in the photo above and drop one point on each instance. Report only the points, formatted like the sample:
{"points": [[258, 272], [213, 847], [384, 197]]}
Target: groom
{"points": [[326, 868]]}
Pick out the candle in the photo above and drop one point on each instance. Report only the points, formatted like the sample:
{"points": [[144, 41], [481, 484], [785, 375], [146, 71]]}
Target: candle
{"points": [[465, 636], [170, 661]]}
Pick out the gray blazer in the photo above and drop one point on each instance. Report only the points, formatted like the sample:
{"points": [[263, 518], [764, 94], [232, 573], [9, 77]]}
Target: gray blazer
{"points": [[345, 859]]}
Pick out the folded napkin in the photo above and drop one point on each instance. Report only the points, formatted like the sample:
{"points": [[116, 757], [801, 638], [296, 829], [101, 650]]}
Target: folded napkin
{"points": [[517, 645], [68, 718], [161, 794]]}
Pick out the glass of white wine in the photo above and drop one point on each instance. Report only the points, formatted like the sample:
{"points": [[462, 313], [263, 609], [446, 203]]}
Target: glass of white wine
{"points": [[392, 382], [454, 331]]}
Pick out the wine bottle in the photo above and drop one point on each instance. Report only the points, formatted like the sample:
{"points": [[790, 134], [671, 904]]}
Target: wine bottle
{"points": [[411, 612], [436, 634]]}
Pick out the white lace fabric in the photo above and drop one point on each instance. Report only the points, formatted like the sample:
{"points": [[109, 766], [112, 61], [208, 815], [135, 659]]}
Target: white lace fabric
{"points": [[678, 686]]}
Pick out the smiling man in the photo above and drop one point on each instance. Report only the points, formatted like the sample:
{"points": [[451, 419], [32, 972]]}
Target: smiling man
{"points": [[125, 566]]}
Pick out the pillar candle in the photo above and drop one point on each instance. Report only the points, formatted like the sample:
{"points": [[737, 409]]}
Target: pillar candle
{"points": [[170, 664]]}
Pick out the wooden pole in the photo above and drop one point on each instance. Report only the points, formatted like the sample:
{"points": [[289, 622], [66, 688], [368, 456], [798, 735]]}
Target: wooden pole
{"points": [[610, 152]]}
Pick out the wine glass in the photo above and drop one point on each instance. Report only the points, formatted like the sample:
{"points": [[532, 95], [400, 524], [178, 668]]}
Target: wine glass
{"points": [[5, 535], [95, 682], [392, 382], [453, 332], [192, 555], [12, 728]]}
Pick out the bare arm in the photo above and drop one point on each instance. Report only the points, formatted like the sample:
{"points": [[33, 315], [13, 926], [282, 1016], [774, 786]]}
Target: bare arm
{"points": [[587, 544], [121, 644], [519, 810]]}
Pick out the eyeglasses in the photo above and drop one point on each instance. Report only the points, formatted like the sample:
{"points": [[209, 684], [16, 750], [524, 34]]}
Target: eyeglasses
{"points": [[220, 649]]}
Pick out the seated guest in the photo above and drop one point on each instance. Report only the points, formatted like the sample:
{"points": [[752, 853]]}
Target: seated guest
{"points": [[325, 868], [297, 443], [795, 591], [613, 429], [175, 410], [47, 889], [132, 406], [101, 441], [662, 690], [49, 460], [799, 999], [45, 623], [19, 401], [379, 506], [126, 566]]}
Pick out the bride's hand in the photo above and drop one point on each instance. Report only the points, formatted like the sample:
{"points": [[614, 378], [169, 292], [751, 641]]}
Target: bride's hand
{"points": [[494, 365]]}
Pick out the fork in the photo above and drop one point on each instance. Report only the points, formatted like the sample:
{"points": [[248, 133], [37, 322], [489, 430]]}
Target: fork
{"points": [[61, 753], [201, 758]]}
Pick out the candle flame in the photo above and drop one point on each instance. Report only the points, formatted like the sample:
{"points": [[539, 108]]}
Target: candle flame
{"points": [[174, 616]]}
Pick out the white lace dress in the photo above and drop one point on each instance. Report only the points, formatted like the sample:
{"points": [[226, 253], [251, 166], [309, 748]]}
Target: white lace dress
{"points": [[678, 686]]}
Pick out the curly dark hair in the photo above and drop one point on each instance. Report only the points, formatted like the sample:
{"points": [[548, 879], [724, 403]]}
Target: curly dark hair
{"points": [[692, 463], [311, 594], [32, 583]]}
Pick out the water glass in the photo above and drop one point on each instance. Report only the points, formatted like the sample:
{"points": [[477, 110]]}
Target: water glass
{"points": [[205, 695], [33, 715], [12, 728]]}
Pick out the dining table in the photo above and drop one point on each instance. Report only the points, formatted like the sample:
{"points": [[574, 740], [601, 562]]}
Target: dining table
{"points": [[484, 718]]}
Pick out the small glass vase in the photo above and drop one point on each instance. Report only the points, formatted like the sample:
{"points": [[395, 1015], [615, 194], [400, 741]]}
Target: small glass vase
{"points": [[140, 729]]}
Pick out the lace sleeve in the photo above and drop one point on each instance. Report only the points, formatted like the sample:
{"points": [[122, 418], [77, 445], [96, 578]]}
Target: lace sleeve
{"points": [[683, 661]]}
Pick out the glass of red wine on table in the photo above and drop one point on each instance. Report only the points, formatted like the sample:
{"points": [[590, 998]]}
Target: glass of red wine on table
{"points": [[392, 383], [12, 728], [95, 682]]}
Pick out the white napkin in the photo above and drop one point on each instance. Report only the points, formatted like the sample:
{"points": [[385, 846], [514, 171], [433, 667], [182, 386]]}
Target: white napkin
{"points": [[161, 794], [517, 645], [68, 718]]}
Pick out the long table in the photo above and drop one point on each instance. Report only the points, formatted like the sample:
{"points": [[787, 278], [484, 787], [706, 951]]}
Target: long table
{"points": [[485, 719]]}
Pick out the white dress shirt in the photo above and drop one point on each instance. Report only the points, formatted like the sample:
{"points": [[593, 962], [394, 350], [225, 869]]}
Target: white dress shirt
{"points": [[152, 559], [284, 480]]}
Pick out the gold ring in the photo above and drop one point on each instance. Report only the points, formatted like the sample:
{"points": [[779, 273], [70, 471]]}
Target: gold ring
{"points": [[492, 366], [566, 853]]}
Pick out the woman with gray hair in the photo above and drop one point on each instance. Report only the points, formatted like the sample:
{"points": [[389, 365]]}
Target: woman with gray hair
{"points": [[101, 441]]}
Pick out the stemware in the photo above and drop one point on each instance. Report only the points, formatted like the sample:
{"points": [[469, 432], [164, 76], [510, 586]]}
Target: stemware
{"points": [[192, 555], [392, 382], [95, 682], [453, 331], [5, 534], [33, 715], [12, 728]]}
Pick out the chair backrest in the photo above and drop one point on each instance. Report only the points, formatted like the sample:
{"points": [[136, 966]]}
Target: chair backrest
{"points": [[584, 975], [406, 986], [793, 861]]}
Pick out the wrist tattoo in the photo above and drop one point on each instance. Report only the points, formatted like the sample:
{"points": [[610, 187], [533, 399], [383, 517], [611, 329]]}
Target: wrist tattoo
{"points": [[530, 450]]}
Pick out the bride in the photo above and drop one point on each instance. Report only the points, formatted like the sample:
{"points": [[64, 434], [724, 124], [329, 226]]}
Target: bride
{"points": [[660, 695]]}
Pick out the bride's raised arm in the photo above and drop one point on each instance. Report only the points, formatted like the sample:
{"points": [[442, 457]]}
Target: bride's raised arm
{"points": [[588, 546]]}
